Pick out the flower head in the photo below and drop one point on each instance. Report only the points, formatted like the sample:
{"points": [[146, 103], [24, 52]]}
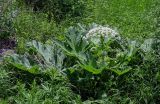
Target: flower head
{"points": [[96, 33]]}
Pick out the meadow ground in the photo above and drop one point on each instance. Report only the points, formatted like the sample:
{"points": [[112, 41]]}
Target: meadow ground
{"points": [[23, 83]]}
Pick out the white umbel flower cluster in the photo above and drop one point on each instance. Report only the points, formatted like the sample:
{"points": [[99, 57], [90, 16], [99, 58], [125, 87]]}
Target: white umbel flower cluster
{"points": [[96, 33]]}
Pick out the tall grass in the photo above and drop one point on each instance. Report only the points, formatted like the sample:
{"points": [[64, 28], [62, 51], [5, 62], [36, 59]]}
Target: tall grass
{"points": [[136, 19], [133, 18]]}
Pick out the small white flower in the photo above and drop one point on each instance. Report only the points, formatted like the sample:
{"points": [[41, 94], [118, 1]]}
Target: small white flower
{"points": [[95, 33]]}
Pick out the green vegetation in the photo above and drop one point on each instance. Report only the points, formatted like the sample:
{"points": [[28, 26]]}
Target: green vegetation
{"points": [[79, 52], [132, 18]]}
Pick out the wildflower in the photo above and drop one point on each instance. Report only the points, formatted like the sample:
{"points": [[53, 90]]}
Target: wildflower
{"points": [[95, 34]]}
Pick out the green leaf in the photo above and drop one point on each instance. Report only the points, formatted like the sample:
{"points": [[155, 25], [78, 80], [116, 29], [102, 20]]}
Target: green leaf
{"points": [[33, 69], [24, 64], [120, 72], [51, 54], [90, 68]]}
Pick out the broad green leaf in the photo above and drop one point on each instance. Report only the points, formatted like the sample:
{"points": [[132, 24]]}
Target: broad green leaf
{"points": [[52, 56], [21, 62], [33, 69], [90, 67]]}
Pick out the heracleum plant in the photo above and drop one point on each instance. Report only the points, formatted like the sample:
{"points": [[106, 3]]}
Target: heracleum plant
{"points": [[94, 59], [102, 57]]}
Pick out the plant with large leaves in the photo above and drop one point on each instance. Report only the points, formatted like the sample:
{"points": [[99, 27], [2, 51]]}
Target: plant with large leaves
{"points": [[114, 54], [88, 63], [38, 58], [101, 61], [73, 44]]}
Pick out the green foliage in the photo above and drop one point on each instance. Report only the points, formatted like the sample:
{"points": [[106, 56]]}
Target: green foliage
{"points": [[114, 55], [39, 58], [97, 64], [21, 62], [59, 10], [156, 45], [133, 18], [101, 67], [52, 56], [103, 70], [51, 89], [6, 28], [5, 82], [6, 17], [73, 44], [52, 92], [96, 71], [49, 85], [33, 26]]}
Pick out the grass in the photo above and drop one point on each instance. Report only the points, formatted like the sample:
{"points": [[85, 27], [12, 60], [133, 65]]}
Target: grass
{"points": [[134, 19]]}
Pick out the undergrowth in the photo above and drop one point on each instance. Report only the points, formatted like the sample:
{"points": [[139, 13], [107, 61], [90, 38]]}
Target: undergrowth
{"points": [[116, 62]]}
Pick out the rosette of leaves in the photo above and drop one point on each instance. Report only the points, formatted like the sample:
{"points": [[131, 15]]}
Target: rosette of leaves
{"points": [[38, 58]]}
